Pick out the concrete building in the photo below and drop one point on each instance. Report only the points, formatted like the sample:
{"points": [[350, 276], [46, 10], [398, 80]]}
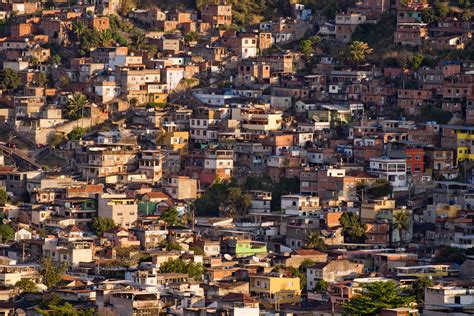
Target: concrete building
{"points": [[122, 210]]}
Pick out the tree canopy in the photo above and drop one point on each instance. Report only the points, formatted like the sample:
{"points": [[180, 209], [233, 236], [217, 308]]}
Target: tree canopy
{"points": [[171, 217], [358, 52], [3, 197], [315, 241], [51, 272], [9, 79], [75, 106], [237, 203], [375, 296], [194, 270], [353, 229], [76, 133], [6, 232], [55, 306], [401, 222], [100, 224], [26, 285]]}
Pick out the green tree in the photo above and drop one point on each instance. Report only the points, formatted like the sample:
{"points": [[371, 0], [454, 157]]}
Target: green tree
{"points": [[126, 6], [380, 188], [79, 28], [173, 245], [449, 254], [55, 60], [208, 203], [133, 102], [75, 106], [126, 256], [416, 61], [196, 250], [191, 37], [284, 186], [140, 42], [51, 272], [26, 285], [401, 222], [105, 38], [42, 79], [354, 230], [305, 264], [6, 232], [76, 133], [379, 35], [100, 224], [429, 16], [55, 139], [3, 197], [236, 203], [171, 217], [314, 241], [432, 113], [441, 9], [321, 286], [306, 47], [375, 296], [418, 289], [194, 270], [34, 61], [9, 79], [358, 52], [65, 310]]}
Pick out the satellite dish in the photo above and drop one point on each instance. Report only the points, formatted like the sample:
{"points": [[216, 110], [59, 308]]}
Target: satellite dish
{"points": [[227, 257]]}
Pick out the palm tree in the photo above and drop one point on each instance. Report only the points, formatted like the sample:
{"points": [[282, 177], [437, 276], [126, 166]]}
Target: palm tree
{"points": [[140, 42], [315, 241], [401, 222], [236, 204], [358, 52], [79, 28], [75, 106], [353, 229], [105, 38]]}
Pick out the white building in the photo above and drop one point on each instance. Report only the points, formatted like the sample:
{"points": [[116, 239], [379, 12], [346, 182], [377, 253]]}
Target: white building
{"points": [[439, 300], [299, 204], [248, 47], [261, 201], [22, 234], [173, 76], [70, 251], [392, 170], [107, 90]]}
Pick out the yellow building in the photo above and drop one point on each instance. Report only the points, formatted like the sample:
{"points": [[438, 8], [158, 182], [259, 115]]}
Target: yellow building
{"points": [[441, 210], [464, 142], [369, 210], [274, 290], [175, 140], [158, 97]]}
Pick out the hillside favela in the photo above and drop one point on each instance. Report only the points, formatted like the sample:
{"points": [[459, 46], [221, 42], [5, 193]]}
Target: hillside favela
{"points": [[236, 157]]}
